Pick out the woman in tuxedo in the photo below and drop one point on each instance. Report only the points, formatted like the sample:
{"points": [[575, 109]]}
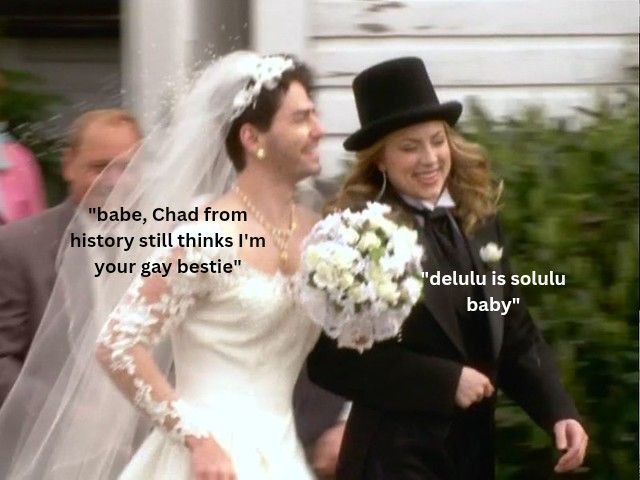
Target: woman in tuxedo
{"points": [[423, 403]]}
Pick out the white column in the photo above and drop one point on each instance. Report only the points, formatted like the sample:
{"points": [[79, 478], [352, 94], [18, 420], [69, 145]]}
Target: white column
{"points": [[163, 41], [149, 55]]}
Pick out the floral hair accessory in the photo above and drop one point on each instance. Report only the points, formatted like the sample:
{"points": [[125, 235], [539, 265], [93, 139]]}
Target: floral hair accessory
{"points": [[266, 73]]}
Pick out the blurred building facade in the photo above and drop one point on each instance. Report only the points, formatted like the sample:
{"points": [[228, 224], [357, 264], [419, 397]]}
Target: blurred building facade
{"points": [[557, 53]]}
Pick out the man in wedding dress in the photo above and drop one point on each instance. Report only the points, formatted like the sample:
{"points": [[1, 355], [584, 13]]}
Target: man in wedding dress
{"points": [[292, 135], [231, 417], [238, 339], [315, 410]]}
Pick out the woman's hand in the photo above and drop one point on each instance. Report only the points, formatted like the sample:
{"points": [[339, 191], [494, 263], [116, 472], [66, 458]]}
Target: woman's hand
{"points": [[473, 387], [209, 461], [572, 440]]}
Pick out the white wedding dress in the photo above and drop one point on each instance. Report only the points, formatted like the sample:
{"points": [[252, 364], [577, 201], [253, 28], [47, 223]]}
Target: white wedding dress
{"points": [[239, 341]]}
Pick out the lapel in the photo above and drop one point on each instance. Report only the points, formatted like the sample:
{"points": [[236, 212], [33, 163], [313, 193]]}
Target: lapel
{"points": [[476, 241], [436, 299], [438, 302]]}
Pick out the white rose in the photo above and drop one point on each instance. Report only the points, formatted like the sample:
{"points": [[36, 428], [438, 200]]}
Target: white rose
{"points": [[346, 280], [368, 242], [412, 287], [358, 293], [388, 292], [404, 238], [344, 257], [491, 253], [393, 264], [325, 276], [383, 223], [349, 235], [313, 256], [375, 209], [351, 219], [377, 274], [404, 244]]}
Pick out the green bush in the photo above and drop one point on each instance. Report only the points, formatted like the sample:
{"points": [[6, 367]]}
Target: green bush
{"points": [[570, 205]]}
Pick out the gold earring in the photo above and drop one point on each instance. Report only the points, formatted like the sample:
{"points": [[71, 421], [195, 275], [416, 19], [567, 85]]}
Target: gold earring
{"points": [[260, 153]]}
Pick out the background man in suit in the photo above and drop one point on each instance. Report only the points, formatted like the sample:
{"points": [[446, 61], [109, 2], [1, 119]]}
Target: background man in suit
{"points": [[28, 247]]}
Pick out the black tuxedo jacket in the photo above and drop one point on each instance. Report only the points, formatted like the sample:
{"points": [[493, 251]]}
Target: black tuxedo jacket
{"points": [[415, 380]]}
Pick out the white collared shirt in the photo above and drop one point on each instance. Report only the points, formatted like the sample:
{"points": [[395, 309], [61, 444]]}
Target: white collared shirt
{"points": [[444, 201]]}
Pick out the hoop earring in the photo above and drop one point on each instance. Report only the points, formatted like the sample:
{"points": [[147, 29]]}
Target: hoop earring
{"points": [[384, 185], [260, 154]]}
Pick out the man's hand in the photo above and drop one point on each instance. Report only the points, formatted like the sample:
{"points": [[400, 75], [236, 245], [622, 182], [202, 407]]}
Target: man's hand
{"points": [[570, 436], [326, 450], [473, 387], [209, 461]]}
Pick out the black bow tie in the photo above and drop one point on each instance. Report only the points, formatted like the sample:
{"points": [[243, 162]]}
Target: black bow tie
{"points": [[429, 215], [446, 239], [436, 213]]}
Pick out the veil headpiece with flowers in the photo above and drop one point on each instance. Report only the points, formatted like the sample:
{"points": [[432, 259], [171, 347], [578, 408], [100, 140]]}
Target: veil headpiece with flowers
{"points": [[64, 418]]}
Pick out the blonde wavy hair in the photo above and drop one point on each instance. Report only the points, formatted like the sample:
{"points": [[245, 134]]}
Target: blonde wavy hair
{"points": [[469, 182]]}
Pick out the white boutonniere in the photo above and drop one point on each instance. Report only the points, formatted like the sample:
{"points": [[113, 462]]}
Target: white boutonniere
{"points": [[491, 253]]}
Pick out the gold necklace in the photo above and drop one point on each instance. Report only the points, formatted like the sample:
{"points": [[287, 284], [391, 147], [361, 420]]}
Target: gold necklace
{"points": [[281, 237]]}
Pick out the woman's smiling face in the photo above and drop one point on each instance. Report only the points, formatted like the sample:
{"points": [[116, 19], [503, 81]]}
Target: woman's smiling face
{"points": [[417, 160]]}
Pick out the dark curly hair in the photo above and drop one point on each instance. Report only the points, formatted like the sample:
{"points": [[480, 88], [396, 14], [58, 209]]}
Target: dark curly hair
{"points": [[262, 112]]}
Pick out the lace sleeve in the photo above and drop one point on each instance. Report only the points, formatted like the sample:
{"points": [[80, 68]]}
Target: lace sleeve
{"points": [[151, 307]]}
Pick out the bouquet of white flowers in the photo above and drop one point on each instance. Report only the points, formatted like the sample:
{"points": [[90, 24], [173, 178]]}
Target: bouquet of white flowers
{"points": [[360, 275]]}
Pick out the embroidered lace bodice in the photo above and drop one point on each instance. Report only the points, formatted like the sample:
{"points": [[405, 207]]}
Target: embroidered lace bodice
{"points": [[238, 340]]}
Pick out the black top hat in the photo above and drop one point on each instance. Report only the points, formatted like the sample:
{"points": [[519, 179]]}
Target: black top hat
{"points": [[395, 94]]}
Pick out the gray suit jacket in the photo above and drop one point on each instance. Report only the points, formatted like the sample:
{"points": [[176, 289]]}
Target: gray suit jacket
{"points": [[28, 251]]}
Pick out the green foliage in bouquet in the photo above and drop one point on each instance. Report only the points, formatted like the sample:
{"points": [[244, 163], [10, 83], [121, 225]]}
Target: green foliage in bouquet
{"points": [[570, 205], [23, 107]]}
